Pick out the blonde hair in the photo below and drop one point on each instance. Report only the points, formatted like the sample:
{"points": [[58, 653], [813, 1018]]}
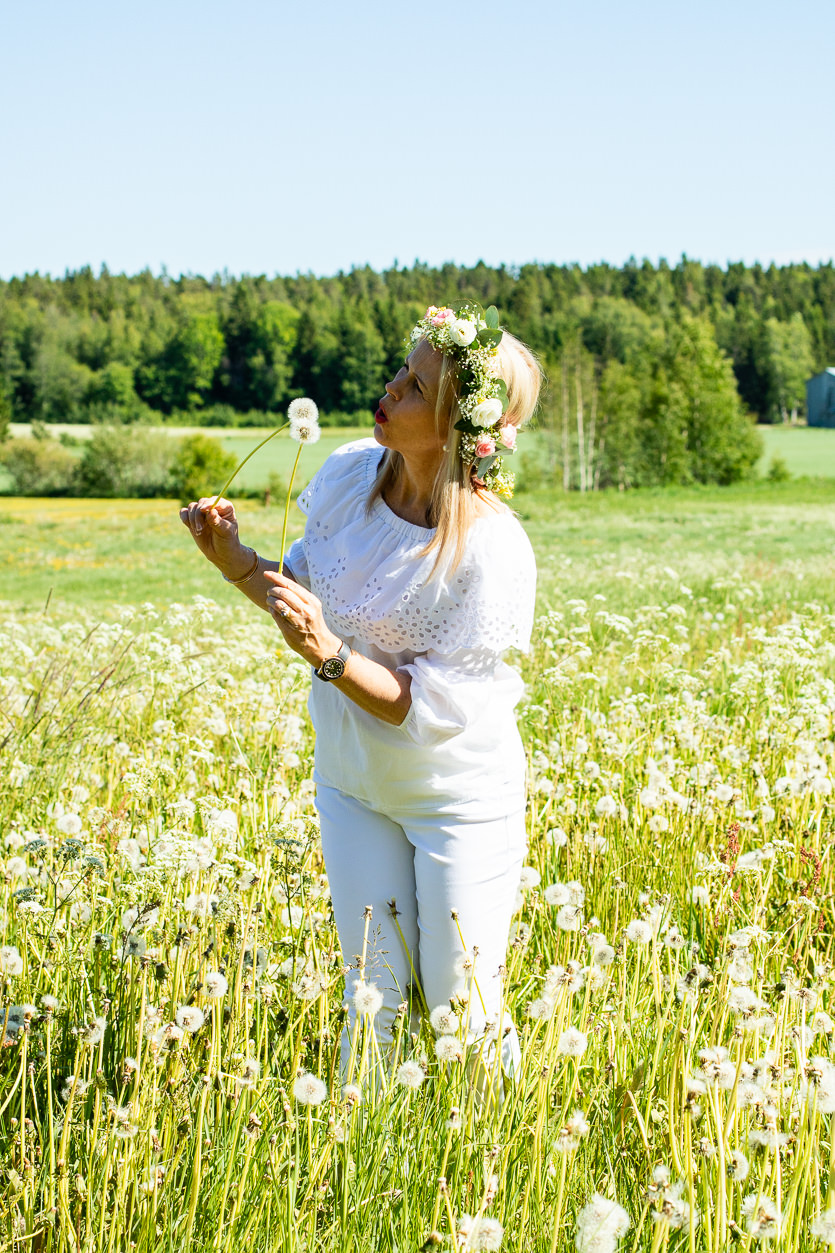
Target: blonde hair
{"points": [[452, 507]]}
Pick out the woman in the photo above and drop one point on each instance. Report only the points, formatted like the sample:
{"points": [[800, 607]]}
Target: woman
{"points": [[411, 580]]}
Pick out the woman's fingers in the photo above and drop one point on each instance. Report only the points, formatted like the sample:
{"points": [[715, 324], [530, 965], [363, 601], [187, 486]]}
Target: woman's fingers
{"points": [[281, 598], [205, 513]]}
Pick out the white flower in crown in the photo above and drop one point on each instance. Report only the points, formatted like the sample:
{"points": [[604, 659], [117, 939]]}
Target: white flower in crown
{"points": [[462, 332], [487, 413]]}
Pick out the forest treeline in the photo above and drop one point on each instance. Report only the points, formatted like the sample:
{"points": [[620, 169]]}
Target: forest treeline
{"points": [[655, 373]]}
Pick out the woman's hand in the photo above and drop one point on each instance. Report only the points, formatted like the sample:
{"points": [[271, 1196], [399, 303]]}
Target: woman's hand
{"points": [[298, 615], [214, 529]]}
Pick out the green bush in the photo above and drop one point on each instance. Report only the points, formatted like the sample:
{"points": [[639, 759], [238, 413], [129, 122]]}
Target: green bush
{"points": [[125, 461], [38, 467], [200, 466], [778, 471]]}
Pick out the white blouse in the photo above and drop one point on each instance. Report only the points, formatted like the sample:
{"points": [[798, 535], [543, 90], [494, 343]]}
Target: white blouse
{"points": [[458, 747]]}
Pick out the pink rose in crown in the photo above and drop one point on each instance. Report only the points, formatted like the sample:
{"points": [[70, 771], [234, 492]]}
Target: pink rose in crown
{"points": [[442, 316], [508, 436], [485, 447]]}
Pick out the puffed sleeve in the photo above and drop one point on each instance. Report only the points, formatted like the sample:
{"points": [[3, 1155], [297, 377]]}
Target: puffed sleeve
{"points": [[296, 559], [329, 487], [452, 691]]}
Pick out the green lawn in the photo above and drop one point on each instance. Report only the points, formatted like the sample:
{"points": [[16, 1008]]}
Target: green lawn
{"points": [[807, 451], [102, 552]]}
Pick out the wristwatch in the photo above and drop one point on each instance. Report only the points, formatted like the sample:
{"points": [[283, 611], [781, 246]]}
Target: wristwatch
{"points": [[334, 667]]}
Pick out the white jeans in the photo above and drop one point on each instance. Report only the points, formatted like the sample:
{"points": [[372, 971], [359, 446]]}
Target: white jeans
{"points": [[430, 866]]}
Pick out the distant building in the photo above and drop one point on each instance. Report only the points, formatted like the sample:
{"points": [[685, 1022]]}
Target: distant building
{"points": [[820, 398]]}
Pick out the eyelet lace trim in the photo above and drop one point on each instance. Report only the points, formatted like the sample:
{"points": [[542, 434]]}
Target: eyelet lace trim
{"points": [[367, 572]]}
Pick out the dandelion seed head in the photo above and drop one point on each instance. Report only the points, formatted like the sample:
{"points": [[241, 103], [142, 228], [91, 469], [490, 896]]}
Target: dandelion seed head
{"points": [[572, 1043], [308, 1090], [738, 1165], [600, 1224], [822, 1226], [410, 1074], [304, 420], [638, 931], [94, 1033], [762, 1217], [443, 1020], [448, 1048], [215, 984], [190, 1018], [367, 998], [11, 962]]}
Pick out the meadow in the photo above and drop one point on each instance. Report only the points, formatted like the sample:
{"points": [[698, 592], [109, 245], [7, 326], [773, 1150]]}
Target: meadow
{"points": [[171, 978], [806, 451]]}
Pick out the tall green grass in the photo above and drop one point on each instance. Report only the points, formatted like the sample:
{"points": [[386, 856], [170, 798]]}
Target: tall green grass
{"points": [[170, 973]]}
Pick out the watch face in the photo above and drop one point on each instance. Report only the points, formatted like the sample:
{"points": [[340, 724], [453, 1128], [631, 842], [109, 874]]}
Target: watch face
{"points": [[333, 667]]}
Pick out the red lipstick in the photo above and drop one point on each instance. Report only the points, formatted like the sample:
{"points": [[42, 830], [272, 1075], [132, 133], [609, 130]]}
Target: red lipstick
{"points": [[379, 416]]}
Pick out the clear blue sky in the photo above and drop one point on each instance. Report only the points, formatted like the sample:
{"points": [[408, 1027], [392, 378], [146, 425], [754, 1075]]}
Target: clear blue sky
{"points": [[282, 137]]}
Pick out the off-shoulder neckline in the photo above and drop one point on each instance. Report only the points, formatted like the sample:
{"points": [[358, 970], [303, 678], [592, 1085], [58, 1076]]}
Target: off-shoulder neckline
{"points": [[393, 520]]}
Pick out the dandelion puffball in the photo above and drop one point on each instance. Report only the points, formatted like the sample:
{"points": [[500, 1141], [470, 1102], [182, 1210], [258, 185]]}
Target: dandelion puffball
{"points": [[410, 1075], [448, 1048], [572, 1042], [190, 1018], [443, 1020], [368, 999], [308, 1090], [215, 984], [600, 1224], [304, 420]]}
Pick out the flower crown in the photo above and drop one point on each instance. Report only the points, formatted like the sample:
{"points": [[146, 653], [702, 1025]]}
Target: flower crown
{"points": [[472, 337]]}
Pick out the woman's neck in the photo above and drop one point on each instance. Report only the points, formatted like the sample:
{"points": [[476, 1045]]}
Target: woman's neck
{"points": [[411, 494]]}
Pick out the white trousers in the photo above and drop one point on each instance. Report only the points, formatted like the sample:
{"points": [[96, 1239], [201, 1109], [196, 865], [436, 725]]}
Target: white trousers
{"points": [[429, 867]]}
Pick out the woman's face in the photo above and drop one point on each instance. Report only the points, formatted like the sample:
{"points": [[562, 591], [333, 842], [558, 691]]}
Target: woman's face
{"points": [[405, 419]]}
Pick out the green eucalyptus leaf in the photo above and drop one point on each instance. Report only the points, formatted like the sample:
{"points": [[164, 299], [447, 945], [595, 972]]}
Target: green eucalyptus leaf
{"points": [[491, 317], [485, 463], [463, 425], [489, 336]]}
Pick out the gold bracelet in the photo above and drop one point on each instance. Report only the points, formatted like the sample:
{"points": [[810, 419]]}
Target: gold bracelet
{"points": [[245, 577]]}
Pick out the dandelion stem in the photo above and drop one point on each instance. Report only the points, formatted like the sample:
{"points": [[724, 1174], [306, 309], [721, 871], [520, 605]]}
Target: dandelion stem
{"points": [[287, 510], [241, 464]]}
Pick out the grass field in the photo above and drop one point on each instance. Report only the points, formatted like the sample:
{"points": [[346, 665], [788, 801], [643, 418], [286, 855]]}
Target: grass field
{"points": [[170, 976], [807, 451], [102, 553]]}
